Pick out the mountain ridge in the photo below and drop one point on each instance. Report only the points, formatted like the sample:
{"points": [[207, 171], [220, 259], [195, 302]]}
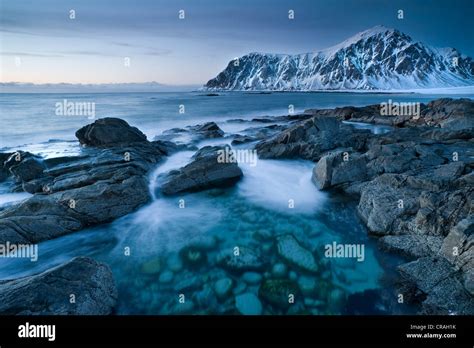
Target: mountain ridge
{"points": [[378, 58]]}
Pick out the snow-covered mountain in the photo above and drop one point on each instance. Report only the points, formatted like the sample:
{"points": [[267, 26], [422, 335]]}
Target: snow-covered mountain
{"points": [[376, 59]]}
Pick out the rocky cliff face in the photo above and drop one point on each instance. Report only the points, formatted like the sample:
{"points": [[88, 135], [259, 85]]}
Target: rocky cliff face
{"points": [[376, 59]]}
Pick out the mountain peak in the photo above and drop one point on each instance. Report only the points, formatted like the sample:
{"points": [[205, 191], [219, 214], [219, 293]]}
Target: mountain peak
{"points": [[380, 31]]}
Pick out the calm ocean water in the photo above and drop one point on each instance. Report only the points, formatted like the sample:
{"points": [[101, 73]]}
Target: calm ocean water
{"points": [[31, 118], [249, 215]]}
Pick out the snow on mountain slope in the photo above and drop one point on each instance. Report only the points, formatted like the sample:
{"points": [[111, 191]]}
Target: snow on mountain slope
{"points": [[376, 59]]}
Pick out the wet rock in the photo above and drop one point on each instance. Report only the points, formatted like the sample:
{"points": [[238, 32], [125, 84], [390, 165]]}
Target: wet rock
{"points": [[80, 192], [152, 266], [277, 291], [458, 249], [411, 246], [4, 172], [371, 302], [252, 278], [386, 199], [193, 257], [188, 283], [336, 300], [27, 169], [309, 139], [247, 260], [290, 249], [440, 282], [174, 263], [240, 288], [166, 277], [332, 170], [209, 130], [168, 147], [223, 288], [293, 275], [448, 297], [307, 285], [206, 171], [205, 298], [426, 272], [248, 304], [242, 139], [48, 293], [279, 270], [106, 132]]}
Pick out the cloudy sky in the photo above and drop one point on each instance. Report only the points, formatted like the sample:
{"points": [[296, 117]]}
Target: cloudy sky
{"points": [[41, 44]]}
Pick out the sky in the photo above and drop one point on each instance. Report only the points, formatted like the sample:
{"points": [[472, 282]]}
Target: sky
{"points": [[40, 43]]}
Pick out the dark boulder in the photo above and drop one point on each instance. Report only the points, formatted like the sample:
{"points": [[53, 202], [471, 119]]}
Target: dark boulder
{"points": [[208, 130], [204, 172], [106, 132], [50, 293]]}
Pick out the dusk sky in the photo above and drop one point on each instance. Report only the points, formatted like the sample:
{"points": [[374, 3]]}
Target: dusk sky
{"points": [[91, 48]]}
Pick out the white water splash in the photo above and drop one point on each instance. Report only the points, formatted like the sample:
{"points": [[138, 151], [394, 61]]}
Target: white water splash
{"points": [[272, 183]]}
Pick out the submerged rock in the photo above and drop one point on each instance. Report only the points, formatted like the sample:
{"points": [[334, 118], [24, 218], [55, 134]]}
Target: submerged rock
{"points": [[248, 304], [223, 288], [49, 293], [166, 277], [279, 270], [290, 249], [152, 266], [193, 257], [277, 292], [247, 260], [307, 285], [252, 278], [206, 171]]}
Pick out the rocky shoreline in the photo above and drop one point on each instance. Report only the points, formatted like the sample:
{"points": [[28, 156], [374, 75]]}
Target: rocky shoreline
{"points": [[414, 186]]}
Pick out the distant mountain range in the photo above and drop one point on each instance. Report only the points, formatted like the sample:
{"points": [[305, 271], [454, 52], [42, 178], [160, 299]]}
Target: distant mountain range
{"points": [[19, 87], [376, 59]]}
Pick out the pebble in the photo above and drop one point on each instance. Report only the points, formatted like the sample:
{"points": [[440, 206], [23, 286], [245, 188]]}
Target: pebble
{"points": [[290, 249], [174, 263], [307, 285], [223, 288], [166, 277], [248, 304], [151, 267], [252, 277], [188, 284], [292, 275], [279, 270], [240, 288]]}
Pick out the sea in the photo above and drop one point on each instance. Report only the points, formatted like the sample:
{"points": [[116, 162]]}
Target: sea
{"points": [[144, 249]]}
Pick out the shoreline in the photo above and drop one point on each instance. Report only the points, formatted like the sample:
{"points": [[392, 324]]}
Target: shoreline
{"points": [[305, 138]]}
